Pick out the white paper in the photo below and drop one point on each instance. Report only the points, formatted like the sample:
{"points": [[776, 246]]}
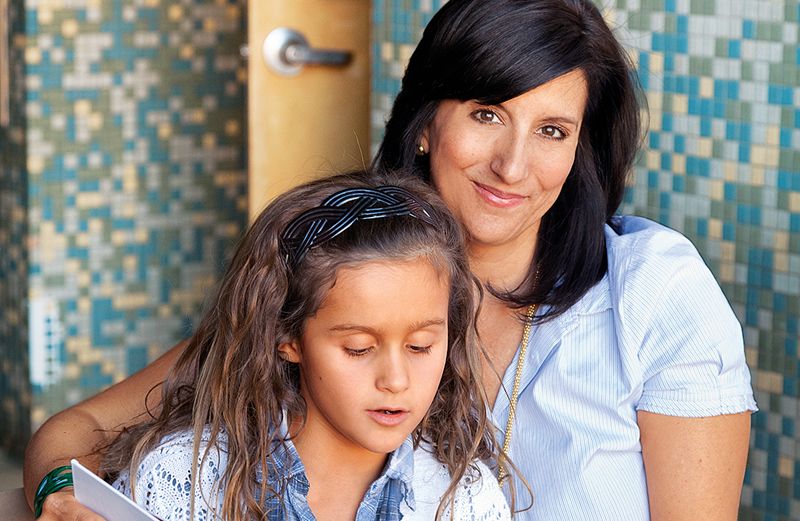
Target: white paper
{"points": [[96, 494]]}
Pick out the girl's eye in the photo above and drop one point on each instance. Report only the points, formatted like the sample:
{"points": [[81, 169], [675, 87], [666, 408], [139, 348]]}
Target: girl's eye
{"points": [[357, 352], [552, 132], [486, 116], [420, 349]]}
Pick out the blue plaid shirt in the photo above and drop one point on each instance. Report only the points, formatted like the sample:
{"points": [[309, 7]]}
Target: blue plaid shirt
{"points": [[381, 502]]}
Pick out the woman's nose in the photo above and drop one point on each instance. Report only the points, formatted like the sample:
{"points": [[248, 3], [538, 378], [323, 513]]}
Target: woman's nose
{"points": [[393, 373], [510, 158]]}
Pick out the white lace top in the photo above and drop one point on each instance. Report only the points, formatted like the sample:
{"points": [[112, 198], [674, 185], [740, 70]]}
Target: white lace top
{"points": [[164, 485]]}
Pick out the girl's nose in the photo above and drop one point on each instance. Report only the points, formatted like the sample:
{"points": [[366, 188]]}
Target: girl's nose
{"points": [[510, 158], [393, 372]]}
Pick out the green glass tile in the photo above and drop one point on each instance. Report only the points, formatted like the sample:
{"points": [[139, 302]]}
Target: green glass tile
{"points": [[651, 5], [793, 305], [789, 160], [639, 23], [783, 200], [747, 71], [667, 102], [785, 72], [717, 207], [721, 47], [769, 31], [741, 254], [787, 117], [790, 9], [670, 23], [700, 66], [702, 7], [794, 243], [746, 112]]}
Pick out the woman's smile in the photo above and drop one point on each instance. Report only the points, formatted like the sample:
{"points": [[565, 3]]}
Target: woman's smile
{"points": [[497, 197], [500, 168]]}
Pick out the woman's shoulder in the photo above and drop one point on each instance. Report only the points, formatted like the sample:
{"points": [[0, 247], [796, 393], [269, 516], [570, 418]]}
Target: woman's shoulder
{"points": [[478, 495], [644, 257], [638, 237]]}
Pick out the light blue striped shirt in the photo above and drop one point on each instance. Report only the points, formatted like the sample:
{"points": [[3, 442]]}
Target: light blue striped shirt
{"points": [[655, 334]]}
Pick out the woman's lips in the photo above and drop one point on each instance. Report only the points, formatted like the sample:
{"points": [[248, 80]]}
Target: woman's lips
{"points": [[388, 417], [497, 197]]}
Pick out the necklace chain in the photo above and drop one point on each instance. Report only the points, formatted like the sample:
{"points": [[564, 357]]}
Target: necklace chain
{"points": [[502, 473]]}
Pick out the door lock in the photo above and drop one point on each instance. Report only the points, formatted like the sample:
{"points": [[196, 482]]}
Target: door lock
{"points": [[287, 51]]}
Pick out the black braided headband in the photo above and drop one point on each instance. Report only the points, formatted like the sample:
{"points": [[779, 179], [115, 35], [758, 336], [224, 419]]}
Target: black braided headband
{"points": [[340, 211]]}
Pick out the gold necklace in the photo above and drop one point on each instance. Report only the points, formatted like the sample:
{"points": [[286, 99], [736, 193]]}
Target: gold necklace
{"points": [[502, 473]]}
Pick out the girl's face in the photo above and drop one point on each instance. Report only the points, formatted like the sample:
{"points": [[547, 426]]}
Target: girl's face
{"points": [[500, 167], [372, 357]]}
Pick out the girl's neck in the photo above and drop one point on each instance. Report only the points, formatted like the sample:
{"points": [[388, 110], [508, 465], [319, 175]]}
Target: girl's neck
{"points": [[326, 454]]}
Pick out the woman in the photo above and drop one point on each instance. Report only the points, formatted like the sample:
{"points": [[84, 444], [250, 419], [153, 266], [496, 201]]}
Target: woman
{"points": [[632, 395]]}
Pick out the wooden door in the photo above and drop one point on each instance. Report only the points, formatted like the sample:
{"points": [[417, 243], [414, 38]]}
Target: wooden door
{"points": [[316, 122]]}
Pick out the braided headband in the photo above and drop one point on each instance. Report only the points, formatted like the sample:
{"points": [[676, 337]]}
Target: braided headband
{"points": [[340, 211]]}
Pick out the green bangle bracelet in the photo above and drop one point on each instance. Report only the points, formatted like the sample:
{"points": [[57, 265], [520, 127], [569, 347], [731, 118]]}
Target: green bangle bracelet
{"points": [[53, 481]]}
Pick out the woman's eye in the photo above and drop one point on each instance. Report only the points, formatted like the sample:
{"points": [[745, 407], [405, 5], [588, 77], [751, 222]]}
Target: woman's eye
{"points": [[486, 116], [552, 132], [420, 349], [357, 352]]}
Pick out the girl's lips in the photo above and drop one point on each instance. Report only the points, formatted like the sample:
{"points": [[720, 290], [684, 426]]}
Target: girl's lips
{"points": [[497, 197], [388, 419]]}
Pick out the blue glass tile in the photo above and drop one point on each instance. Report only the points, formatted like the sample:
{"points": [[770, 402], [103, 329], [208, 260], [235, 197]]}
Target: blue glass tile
{"points": [[666, 122], [729, 191], [734, 49], [652, 179], [728, 231], [702, 226], [794, 223], [666, 161], [678, 184], [680, 144], [705, 127], [779, 95], [748, 29], [137, 358], [785, 138], [744, 153]]}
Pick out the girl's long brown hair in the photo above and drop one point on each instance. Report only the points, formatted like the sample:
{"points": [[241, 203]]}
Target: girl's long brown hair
{"points": [[230, 377]]}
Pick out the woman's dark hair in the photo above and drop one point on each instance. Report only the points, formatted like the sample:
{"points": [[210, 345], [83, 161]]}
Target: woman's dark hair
{"points": [[495, 50]]}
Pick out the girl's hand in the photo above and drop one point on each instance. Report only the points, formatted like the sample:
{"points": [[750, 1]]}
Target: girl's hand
{"points": [[62, 506]]}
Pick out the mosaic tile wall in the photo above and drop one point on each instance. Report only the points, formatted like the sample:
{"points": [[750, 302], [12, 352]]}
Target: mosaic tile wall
{"points": [[15, 396], [721, 164], [135, 164]]}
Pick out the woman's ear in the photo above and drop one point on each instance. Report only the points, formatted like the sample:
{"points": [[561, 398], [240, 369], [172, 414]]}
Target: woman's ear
{"points": [[290, 351], [424, 142]]}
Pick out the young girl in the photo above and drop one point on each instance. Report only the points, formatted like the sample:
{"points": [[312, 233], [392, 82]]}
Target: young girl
{"points": [[335, 376]]}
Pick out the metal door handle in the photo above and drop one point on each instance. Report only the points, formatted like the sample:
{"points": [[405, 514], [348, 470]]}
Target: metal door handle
{"points": [[287, 51]]}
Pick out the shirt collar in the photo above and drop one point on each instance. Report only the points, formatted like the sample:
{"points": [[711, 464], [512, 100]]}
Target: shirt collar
{"points": [[285, 464]]}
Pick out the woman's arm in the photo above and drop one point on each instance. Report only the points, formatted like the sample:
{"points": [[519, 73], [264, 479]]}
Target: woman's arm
{"points": [[694, 466], [77, 431]]}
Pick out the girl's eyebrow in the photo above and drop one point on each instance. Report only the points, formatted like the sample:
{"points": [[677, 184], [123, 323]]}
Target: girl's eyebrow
{"points": [[366, 329]]}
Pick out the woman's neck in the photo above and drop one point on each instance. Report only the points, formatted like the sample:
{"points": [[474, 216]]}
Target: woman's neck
{"points": [[502, 267], [325, 454]]}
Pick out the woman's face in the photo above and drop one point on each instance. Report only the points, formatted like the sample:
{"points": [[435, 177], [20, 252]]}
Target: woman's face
{"points": [[501, 167]]}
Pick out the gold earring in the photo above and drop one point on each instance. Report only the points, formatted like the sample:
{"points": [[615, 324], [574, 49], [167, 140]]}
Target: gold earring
{"points": [[420, 150]]}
